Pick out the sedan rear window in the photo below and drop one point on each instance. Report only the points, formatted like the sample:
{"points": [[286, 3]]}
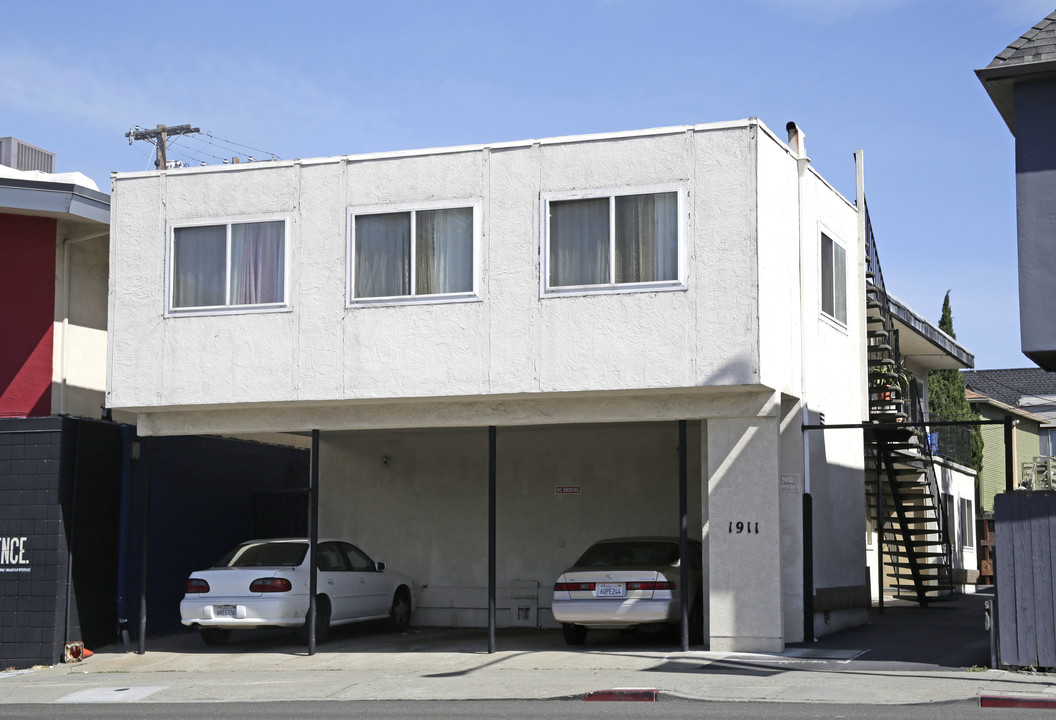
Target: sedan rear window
{"points": [[619, 554], [288, 554]]}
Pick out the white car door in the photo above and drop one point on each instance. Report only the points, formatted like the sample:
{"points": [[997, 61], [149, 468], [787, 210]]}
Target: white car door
{"points": [[373, 596], [336, 581]]}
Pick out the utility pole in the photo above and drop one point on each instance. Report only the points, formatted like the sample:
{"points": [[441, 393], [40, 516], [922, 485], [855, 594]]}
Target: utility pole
{"points": [[160, 136]]}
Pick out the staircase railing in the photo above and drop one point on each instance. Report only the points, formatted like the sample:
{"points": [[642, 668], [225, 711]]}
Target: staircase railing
{"points": [[943, 520]]}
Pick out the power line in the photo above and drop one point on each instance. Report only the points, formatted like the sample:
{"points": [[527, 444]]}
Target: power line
{"points": [[232, 142]]}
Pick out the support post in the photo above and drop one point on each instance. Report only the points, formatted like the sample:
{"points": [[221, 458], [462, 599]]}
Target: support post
{"points": [[683, 544], [879, 532], [808, 568], [313, 542], [491, 539], [148, 447], [1010, 460]]}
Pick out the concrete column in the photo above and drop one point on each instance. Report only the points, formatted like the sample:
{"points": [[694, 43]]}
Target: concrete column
{"points": [[744, 544]]}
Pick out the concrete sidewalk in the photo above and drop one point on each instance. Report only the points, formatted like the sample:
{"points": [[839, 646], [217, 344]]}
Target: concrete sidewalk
{"points": [[905, 655]]}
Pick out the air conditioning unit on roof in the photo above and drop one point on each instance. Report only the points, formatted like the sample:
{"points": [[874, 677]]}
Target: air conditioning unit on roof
{"points": [[23, 156]]}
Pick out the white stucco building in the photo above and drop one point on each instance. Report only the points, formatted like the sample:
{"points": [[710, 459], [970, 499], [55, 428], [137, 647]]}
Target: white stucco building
{"points": [[581, 295]]}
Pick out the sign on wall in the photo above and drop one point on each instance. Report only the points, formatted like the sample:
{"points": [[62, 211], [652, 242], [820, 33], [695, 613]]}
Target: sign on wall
{"points": [[14, 554]]}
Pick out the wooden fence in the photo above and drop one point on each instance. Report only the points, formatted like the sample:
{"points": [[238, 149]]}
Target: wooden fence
{"points": [[1025, 568]]}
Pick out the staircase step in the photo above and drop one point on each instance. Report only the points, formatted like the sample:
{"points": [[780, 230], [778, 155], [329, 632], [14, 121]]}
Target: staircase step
{"points": [[902, 564]]}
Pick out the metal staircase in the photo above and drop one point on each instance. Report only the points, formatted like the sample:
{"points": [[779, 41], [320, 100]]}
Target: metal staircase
{"points": [[901, 489]]}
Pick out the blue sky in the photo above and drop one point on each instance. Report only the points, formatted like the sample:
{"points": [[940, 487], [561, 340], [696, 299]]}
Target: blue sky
{"points": [[893, 77]]}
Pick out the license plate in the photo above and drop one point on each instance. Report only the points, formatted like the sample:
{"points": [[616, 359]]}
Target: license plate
{"points": [[609, 590], [224, 611]]}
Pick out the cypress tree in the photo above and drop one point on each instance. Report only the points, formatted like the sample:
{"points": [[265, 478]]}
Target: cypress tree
{"points": [[947, 401]]}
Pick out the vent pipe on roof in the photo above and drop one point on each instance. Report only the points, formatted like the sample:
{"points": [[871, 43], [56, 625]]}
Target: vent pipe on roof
{"points": [[796, 139]]}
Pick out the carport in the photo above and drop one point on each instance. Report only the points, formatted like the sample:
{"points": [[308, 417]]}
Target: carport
{"points": [[513, 505], [484, 518]]}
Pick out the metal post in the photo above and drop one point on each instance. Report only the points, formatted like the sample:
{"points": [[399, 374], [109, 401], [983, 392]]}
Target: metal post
{"points": [[808, 568], [147, 449], [683, 544], [1010, 465], [491, 539], [313, 541], [879, 530], [72, 524]]}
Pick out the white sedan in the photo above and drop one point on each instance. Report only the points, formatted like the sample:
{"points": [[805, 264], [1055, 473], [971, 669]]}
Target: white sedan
{"points": [[264, 583], [628, 582]]}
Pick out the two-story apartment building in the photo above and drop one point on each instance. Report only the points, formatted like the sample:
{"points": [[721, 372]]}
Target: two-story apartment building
{"points": [[581, 295]]}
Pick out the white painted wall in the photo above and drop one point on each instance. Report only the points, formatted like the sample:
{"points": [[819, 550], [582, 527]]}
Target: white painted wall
{"points": [[418, 500], [79, 332], [512, 341]]}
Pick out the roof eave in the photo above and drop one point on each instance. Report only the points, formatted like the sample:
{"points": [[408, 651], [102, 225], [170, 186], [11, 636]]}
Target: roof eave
{"points": [[1000, 80], [50, 199], [949, 354]]}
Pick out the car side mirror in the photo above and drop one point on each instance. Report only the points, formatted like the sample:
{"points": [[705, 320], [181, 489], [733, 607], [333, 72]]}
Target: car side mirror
{"points": [[379, 566]]}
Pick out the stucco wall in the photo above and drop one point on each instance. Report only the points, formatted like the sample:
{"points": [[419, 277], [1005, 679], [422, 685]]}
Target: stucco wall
{"points": [[418, 500], [511, 341]]}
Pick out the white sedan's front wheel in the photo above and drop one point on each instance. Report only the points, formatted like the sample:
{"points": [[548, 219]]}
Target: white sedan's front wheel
{"points": [[400, 613]]}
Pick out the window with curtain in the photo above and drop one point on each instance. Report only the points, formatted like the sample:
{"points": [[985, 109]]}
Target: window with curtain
{"points": [[229, 265], [612, 240], [833, 280], [413, 253]]}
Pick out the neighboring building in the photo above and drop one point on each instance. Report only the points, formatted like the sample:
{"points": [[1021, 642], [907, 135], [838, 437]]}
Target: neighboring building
{"points": [[1026, 447], [1029, 395], [71, 479], [54, 245], [939, 477], [1021, 82], [581, 295]]}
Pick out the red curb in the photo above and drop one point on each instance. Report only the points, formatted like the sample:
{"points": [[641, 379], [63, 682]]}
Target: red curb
{"points": [[623, 695], [995, 701]]}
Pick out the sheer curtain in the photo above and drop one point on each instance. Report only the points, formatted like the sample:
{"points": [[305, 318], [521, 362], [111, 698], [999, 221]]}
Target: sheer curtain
{"points": [[443, 251], [258, 263], [579, 242], [199, 262], [840, 271], [647, 237], [383, 255]]}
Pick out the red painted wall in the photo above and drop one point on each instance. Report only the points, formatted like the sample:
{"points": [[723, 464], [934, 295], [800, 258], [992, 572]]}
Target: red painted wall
{"points": [[27, 310]]}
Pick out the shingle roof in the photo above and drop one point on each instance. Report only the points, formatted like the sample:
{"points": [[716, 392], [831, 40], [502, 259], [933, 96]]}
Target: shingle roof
{"points": [[1008, 386], [1032, 56], [1035, 45]]}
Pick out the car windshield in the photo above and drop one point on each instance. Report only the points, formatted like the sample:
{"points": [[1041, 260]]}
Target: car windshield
{"points": [[620, 554], [289, 554]]}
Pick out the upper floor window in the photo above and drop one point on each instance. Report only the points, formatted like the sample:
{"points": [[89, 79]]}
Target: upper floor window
{"points": [[231, 265], [612, 241], [833, 279], [424, 252]]}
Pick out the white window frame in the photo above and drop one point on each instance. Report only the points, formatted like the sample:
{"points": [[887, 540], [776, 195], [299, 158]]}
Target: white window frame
{"points": [[824, 233], [476, 204], [227, 309], [612, 287]]}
